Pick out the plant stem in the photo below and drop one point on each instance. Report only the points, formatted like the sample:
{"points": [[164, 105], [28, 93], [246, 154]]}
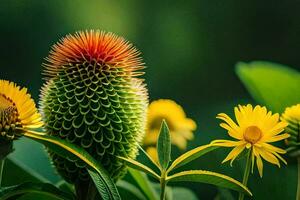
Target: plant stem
{"points": [[246, 173], [2, 161], [163, 184]]}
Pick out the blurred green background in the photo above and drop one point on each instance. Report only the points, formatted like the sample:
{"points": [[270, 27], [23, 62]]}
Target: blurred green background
{"points": [[190, 49]]}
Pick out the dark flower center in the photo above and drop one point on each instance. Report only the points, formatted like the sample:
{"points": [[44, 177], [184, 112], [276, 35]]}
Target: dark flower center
{"points": [[8, 117]]}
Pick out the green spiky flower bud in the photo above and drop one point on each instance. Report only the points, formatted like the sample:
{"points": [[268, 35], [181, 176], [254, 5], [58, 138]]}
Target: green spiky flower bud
{"points": [[94, 99], [291, 115]]}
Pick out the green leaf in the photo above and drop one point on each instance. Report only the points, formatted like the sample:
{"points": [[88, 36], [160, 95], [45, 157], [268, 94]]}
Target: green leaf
{"points": [[46, 189], [102, 187], [191, 155], [274, 85], [213, 178], [65, 149], [132, 189], [148, 159], [143, 182], [139, 166], [164, 146]]}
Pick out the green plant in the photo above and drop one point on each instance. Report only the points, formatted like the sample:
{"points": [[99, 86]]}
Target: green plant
{"points": [[166, 168]]}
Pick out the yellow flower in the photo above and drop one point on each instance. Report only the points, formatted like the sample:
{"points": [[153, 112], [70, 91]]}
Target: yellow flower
{"points": [[181, 127], [291, 115], [17, 110], [255, 129]]}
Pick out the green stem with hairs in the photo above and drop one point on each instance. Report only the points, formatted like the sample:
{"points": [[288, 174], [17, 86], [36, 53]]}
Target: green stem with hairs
{"points": [[246, 173], [163, 185], [2, 161]]}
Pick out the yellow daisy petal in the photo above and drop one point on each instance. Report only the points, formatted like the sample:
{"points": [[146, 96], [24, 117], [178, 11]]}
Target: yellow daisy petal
{"points": [[278, 128], [280, 158], [272, 148], [234, 154], [228, 120], [277, 138], [268, 156], [259, 162], [239, 116], [227, 143], [233, 133]]}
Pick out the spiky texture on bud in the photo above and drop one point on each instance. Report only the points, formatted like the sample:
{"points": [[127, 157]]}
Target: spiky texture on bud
{"points": [[291, 115], [94, 99]]}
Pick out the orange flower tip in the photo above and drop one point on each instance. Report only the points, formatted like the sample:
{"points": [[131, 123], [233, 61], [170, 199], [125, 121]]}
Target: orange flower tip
{"points": [[95, 47]]}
